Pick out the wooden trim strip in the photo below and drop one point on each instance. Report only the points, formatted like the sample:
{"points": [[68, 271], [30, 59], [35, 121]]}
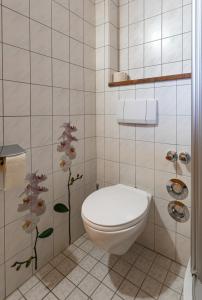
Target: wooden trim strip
{"points": [[150, 80]]}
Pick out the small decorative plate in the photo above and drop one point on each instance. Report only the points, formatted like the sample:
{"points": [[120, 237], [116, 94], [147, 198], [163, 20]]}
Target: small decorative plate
{"points": [[177, 189], [178, 211]]}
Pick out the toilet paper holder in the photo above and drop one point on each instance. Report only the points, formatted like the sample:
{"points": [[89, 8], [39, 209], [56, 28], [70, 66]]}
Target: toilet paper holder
{"points": [[10, 150]]}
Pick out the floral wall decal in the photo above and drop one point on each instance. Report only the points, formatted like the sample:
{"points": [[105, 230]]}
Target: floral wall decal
{"points": [[36, 206], [69, 151]]}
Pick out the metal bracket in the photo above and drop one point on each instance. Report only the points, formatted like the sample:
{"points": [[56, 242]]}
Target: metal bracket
{"points": [[11, 150]]}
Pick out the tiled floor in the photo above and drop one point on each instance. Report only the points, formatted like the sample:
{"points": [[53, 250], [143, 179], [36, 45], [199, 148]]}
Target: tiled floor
{"points": [[85, 272]]}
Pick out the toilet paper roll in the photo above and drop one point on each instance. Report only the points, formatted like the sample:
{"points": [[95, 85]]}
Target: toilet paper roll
{"points": [[14, 171], [120, 76]]}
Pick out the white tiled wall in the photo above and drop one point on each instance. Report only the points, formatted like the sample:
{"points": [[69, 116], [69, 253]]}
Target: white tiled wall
{"points": [[155, 37], [47, 74], [135, 155]]}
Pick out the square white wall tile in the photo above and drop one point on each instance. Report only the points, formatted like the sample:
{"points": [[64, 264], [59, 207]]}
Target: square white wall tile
{"points": [[41, 100], [41, 11], [152, 8], [17, 131], [136, 11], [21, 6], [152, 53], [16, 64], [15, 29], [60, 74], [172, 49], [60, 46], [172, 23], [153, 29], [76, 27], [40, 69], [41, 131], [16, 99], [167, 124], [60, 18], [40, 37], [60, 101]]}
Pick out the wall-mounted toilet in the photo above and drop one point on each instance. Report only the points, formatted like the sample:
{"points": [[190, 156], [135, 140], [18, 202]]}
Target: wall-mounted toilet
{"points": [[115, 216]]}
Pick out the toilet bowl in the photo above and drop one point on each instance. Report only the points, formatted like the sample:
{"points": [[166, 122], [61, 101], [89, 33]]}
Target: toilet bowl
{"points": [[115, 216]]}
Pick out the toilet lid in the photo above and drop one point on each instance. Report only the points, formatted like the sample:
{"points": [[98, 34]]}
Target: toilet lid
{"points": [[116, 205]]}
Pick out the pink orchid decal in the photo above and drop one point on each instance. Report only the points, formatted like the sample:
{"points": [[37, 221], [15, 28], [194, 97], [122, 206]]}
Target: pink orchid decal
{"points": [[69, 151], [36, 207], [30, 223], [65, 146], [65, 163]]}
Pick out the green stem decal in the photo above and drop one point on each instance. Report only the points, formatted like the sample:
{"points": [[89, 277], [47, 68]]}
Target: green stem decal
{"points": [[27, 263], [65, 163]]}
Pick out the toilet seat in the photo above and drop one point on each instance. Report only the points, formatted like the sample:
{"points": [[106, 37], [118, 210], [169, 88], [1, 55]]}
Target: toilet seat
{"points": [[115, 208]]}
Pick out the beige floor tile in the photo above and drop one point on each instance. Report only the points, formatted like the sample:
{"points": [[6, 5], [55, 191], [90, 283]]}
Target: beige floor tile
{"points": [[109, 259], [116, 297], [66, 266], [97, 253], [63, 289], [77, 275], [87, 246], [77, 255], [162, 261], [30, 283], [168, 294], [15, 296], [158, 273], [148, 254], [77, 294], [143, 264], [113, 280], [89, 285], [127, 290], [52, 279], [178, 269], [102, 292], [57, 260], [174, 282], [80, 241], [69, 250], [99, 271], [136, 276], [44, 271], [130, 256], [143, 296], [50, 296], [37, 292], [121, 267], [151, 287], [88, 263], [137, 248]]}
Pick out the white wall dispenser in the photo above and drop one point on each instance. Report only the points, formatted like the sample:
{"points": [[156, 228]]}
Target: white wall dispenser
{"points": [[12, 167], [138, 112]]}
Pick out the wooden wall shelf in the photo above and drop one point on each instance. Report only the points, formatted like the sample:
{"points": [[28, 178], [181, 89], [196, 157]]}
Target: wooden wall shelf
{"points": [[150, 80]]}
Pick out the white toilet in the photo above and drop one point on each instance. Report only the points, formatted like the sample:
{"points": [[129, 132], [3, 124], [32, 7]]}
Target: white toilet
{"points": [[115, 216]]}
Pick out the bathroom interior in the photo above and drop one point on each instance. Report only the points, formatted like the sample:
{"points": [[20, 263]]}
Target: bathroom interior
{"points": [[100, 142]]}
